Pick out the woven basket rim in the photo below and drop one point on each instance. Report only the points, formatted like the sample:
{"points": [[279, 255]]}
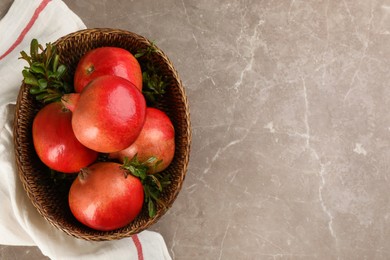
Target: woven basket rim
{"points": [[20, 146]]}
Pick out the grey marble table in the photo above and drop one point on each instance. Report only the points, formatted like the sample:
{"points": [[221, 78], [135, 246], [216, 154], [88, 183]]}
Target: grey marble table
{"points": [[290, 106]]}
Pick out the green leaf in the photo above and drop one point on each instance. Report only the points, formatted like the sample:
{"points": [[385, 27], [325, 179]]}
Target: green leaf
{"points": [[52, 98], [34, 90], [42, 83], [34, 48], [139, 55], [52, 75], [31, 81], [135, 167], [151, 208], [47, 55], [153, 85], [155, 194], [148, 51], [60, 71], [25, 57], [156, 181], [27, 73], [41, 96], [150, 160], [55, 62], [38, 68], [29, 78], [158, 163]]}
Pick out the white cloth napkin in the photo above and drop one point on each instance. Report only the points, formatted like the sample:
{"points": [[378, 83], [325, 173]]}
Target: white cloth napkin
{"points": [[20, 223]]}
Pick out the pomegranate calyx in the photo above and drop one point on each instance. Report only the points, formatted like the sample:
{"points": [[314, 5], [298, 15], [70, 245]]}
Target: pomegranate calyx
{"points": [[83, 173], [70, 100], [90, 69]]}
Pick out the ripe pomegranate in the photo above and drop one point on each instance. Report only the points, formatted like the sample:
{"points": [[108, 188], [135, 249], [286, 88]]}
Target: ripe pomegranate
{"points": [[157, 139], [107, 61], [105, 197], [108, 114], [55, 142]]}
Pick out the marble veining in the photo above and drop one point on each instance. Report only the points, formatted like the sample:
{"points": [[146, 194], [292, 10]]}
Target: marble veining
{"points": [[291, 125]]}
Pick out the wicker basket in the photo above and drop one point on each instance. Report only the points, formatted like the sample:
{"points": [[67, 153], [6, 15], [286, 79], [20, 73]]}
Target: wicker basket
{"points": [[49, 196]]}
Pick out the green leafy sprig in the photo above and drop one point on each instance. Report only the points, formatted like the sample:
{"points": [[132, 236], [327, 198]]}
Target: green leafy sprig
{"points": [[153, 184], [45, 74], [154, 84], [148, 51]]}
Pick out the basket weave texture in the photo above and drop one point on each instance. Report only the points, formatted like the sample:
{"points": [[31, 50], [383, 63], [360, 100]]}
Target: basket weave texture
{"points": [[50, 196]]}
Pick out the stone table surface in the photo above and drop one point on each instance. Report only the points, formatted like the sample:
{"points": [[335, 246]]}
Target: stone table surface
{"points": [[290, 116]]}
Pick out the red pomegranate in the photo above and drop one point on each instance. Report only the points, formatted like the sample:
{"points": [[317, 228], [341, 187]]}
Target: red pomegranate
{"points": [[105, 197], [55, 142], [157, 139], [108, 114], [107, 61]]}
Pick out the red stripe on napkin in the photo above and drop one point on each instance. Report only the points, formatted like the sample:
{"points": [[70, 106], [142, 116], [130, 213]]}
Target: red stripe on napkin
{"points": [[20, 38], [138, 246]]}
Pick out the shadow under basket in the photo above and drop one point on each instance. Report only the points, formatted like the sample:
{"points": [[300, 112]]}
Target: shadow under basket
{"points": [[50, 195]]}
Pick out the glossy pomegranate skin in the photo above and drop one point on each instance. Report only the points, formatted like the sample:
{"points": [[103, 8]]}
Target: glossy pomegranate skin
{"points": [[157, 139], [107, 61], [102, 198], [109, 114], [55, 142]]}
